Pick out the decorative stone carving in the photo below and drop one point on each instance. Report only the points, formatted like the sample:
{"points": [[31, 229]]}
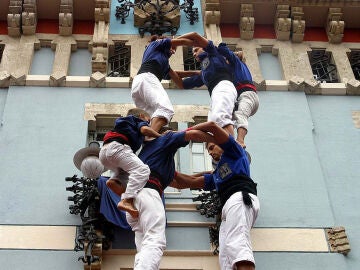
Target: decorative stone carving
{"points": [[282, 22], [13, 21], [247, 22], [141, 16], [335, 26], [29, 17], [28, 23], [298, 24], [100, 41], [14, 18], [212, 13], [102, 14], [66, 18]]}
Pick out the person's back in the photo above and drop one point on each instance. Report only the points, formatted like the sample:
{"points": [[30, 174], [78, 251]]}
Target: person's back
{"points": [[118, 155], [149, 227]]}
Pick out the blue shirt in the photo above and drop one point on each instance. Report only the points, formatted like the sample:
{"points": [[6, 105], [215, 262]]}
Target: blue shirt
{"points": [[233, 161], [213, 69], [130, 127], [159, 154], [159, 51], [241, 72]]}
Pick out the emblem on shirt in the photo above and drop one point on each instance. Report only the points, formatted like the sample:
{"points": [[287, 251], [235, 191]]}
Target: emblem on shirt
{"points": [[205, 63], [224, 170]]}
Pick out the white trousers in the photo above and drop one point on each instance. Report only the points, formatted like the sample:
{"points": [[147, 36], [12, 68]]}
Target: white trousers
{"points": [[148, 94], [248, 104], [118, 158], [234, 236], [222, 102], [149, 230]]}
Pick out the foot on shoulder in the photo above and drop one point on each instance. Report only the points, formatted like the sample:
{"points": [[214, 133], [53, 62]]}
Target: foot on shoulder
{"points": [[128, 206], [241, 143]]}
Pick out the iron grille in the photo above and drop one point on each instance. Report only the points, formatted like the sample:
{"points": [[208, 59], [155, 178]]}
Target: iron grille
{"points": [[119, 62], [322, 67], [190, 62], [354, 59], [1, 51]]}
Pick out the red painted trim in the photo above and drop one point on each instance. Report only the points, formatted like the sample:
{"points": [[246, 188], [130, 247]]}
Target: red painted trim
{"points": [[315, 34], [267, 32], [47, 26], [3, 28], [52, 27]]}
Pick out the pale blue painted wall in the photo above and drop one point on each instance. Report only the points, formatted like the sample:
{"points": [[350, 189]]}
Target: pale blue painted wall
{"points": [[270, 66], [80, 63], [304, 148], [305, 159], [42, 63]]}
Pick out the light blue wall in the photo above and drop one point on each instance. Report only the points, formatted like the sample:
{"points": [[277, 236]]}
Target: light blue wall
{"points": [[3, 95], [42, 63], [305, 159], [270, 66], [80, 63]]}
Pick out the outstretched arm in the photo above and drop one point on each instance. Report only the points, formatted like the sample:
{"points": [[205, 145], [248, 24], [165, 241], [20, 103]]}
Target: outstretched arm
{"points": [[177, 79], [148, 131], [197, 40], [220, 136], [179, 41], [182, 181]]}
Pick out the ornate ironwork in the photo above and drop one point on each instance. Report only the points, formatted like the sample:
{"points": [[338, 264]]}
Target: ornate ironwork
{"points": [[211, 207], [1, 50], [190, 62], [95, 230], [323, 68], [157, 22], [354, 59], [119, 62]]}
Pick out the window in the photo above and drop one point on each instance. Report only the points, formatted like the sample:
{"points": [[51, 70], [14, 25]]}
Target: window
{"points": [[323, 67], [119, 60], [200, 160], [2, 47], [354, 58], [190, 62]]}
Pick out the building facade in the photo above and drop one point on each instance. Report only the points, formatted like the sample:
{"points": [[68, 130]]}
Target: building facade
{"points": [[66, 69]]}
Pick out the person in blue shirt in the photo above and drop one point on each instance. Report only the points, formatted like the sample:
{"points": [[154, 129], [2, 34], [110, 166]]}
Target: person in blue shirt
{"points": [[149, 226], [230, 106], [147, 91], [118, 155], [238, 196], [247, 102], [217, 75]]}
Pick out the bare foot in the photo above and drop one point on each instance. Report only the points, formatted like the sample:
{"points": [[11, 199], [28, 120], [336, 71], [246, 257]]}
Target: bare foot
{"points": [[115, 186], [128, 206]]}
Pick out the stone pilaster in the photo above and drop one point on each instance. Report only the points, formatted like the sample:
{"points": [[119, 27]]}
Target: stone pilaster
{"points": [[212, 21], [100, 42], [250, 50], [63, 47]]}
